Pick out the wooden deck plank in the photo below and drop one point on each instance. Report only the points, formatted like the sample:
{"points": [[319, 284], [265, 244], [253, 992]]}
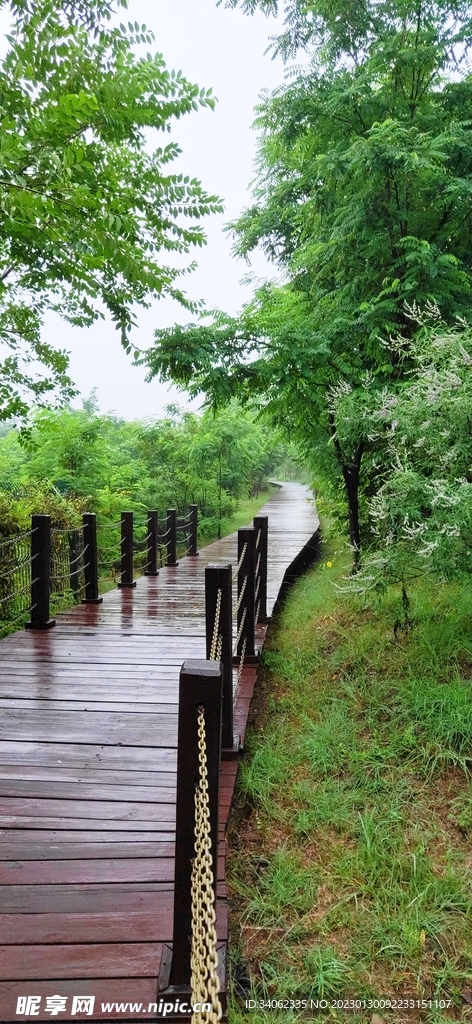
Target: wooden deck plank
{"points": [[145, 925], [100, 775], [37, 849], [91, 960], [92, 791], [115, 834], [85, 755], [116, 810], [88, 729]]}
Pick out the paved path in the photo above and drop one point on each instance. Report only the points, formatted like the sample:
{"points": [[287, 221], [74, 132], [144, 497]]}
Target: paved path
{"points": [[88, 731]]}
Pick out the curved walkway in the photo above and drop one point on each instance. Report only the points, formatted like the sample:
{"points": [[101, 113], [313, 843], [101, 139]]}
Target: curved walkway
{"points": [[88, 731]]}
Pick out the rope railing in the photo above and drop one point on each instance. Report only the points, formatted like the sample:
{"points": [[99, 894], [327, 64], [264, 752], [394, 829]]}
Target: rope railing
{"points": [[17, 537], [14, 568], [71, 566], [76, 560]]}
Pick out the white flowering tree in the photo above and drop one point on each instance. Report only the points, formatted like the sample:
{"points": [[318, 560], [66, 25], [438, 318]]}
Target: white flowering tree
{"points": [[421, 513]]}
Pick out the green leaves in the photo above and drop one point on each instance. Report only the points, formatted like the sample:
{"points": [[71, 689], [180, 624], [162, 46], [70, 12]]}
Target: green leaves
{"points": [[363, 203], [86, 210]]}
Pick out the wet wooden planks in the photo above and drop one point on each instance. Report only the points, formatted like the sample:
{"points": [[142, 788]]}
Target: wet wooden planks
{"points": [[88, 726]]}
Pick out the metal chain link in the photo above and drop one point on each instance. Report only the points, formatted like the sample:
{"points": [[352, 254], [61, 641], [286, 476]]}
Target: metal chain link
{"points": [[219, 648], [204, 956], [240, 630], [241, 560], [216, 626], [240, 598], [26, 534], [241, 661]]}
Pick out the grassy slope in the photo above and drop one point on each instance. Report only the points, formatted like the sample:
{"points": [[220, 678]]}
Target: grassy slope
{"points": [[351, 864]]}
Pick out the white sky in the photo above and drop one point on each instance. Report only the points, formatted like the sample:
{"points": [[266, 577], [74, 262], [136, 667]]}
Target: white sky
{"points": [[217, 48]]}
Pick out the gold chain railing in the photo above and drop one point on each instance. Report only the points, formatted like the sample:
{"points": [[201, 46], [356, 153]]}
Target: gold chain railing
{"points": [[204, 957], [241, 560], [216, 640]]}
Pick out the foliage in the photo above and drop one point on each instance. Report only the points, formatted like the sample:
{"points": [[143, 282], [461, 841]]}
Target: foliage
{"points": [[17, 507], [73, 461], [329, 29], [110, 464], [87, 211], [367, 807], [363, 203], [421, 513]]}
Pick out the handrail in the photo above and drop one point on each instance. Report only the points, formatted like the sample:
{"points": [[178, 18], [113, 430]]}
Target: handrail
{"points": [[68, 568]]}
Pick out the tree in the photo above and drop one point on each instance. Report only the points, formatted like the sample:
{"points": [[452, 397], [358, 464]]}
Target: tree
{"points": [[87, 212], [422, 511], [363, 201]]}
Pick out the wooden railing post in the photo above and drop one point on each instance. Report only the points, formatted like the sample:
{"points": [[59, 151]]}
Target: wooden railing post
{"points": [[40, 573], [193, 543], [200, 685], [89, 521], [171, 537], [261, 527], [152, 531], [127, 550], [219, 637], [246, 592]]}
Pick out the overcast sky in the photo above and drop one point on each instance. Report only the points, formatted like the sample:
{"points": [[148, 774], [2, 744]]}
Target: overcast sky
{"points": [[217, 48]]}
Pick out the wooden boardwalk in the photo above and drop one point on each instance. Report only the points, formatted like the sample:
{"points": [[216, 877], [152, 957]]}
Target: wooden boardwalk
{"points": [[88, 730]]}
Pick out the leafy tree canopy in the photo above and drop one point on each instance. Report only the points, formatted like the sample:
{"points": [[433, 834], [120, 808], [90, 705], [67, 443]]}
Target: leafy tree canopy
{"points": [[363, 202], [336, 30], [87, 212]]}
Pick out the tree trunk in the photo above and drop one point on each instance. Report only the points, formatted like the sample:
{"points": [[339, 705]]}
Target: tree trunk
{"points": [[351, 482], [351, 473]]}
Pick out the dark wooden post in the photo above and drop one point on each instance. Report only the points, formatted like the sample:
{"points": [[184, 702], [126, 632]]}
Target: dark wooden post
{"points": [[246, 580], [127, 550], [219, 578], [40, 573], [200, 684], [171, 537], [152, 531], [192, 547], [261, 527], [90, 559], [74, 562]]}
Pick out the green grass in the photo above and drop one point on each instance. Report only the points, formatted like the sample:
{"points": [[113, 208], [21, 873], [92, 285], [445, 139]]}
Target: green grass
{"points": [[350, 869]]}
